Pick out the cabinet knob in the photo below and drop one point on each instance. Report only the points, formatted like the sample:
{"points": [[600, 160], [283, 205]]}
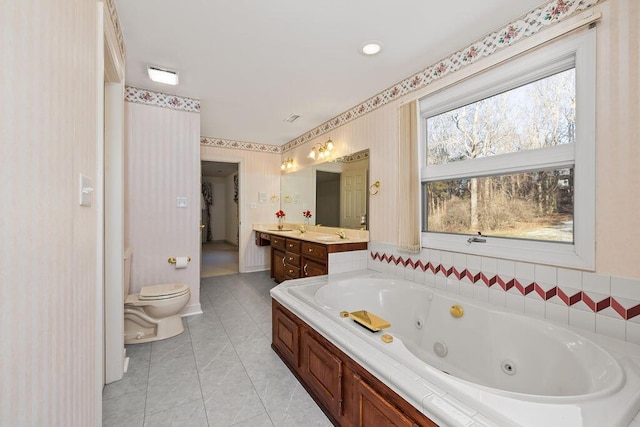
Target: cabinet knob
{"points": [[305, 270]]}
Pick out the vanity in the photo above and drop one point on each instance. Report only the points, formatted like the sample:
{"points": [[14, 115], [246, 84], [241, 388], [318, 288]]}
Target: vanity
{"points": [[295, 255], [335, 237]]}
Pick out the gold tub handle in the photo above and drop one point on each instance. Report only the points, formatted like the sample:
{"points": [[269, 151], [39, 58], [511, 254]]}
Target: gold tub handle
{"points": [[456, 311]]}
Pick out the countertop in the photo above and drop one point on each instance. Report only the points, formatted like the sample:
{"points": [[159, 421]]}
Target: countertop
{"points": [[315, 234]]}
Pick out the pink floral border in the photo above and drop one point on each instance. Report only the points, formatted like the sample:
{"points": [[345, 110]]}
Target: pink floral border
{"points": [[240, 145], [113, 12], [569, 296], [148, 97], [529, 24], [356, 157]]}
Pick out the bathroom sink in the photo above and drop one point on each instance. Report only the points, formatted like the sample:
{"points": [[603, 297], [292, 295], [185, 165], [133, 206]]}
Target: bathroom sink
{"points": [[327, 238]]}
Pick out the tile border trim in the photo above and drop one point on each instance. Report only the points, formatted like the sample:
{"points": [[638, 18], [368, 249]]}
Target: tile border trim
{"points": [[527, 25], [595, 302], [159, 99]]}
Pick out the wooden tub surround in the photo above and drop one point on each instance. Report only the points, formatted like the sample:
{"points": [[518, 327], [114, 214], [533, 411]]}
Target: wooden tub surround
{"points": [[348, 394]]}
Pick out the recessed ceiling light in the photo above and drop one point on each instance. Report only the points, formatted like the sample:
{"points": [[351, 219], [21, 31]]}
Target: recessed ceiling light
{"points": [[162, 76], [371, 48]]}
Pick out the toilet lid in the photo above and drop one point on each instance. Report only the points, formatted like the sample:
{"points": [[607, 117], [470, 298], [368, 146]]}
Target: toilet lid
{"points": [[163, 291]]}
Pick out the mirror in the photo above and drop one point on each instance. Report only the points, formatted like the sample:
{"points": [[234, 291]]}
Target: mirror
{"points": [[334, 191]]}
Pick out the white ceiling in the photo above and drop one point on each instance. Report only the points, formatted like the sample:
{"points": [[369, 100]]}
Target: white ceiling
{"points": [[218, 169], [252, 63]]}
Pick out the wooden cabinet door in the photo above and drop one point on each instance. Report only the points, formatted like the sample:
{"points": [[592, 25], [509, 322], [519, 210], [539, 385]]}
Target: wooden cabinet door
{"points": [[373, 410], [278, 267], [285, 335], [322, 372], [311, 268]]}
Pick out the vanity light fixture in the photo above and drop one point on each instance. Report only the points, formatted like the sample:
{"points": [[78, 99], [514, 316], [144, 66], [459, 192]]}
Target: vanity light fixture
{"points": [[321, 150], [160, 75], [287, 163]]}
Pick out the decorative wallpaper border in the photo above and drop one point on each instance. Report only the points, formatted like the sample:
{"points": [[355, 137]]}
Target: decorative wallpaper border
{"points": [[569, 296], [240, 145], [116, 25], [528, 25], [355, 157], [158, 99]]}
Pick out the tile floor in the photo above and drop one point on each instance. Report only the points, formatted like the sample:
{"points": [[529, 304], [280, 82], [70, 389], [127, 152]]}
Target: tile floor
{"points": [[218, 259], [220, 372]]}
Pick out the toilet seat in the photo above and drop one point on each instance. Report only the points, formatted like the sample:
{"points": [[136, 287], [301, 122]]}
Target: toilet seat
{"points": [[162, 291]]}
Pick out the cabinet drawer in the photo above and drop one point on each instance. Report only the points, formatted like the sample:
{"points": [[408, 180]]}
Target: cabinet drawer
{"points": [[292, 272], [293, 245], [292, 259], [277, 242], [312, 250]]}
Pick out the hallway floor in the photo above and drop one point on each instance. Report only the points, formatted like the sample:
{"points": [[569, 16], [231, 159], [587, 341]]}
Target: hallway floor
{"points": [[219, 259], [220, 372]]}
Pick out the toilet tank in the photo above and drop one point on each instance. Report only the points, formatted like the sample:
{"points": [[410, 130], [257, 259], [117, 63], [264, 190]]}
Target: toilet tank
{"points": [[127, 271]]}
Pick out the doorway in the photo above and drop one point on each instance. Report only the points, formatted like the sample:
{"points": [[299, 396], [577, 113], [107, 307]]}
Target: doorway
{"points": [[328, 198], [220, 219]]}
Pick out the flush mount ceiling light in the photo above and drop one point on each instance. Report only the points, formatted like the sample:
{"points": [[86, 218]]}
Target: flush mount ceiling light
{"points": [[162, 76], [321, 150], [371, 48]]}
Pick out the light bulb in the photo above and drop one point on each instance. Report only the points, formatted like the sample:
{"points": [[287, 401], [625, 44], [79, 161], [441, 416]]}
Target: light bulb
{"points": [[329, 145]]}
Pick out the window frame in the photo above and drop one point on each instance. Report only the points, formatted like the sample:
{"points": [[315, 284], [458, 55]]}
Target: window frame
{"points": [[577, 50]]}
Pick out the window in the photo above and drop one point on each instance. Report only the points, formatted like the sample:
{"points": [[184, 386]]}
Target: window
{"points": [[510, 153]]}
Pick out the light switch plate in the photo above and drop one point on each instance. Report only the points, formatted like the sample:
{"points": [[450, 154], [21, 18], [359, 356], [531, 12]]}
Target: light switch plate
{"points": [[181, 202], [86, 188]]}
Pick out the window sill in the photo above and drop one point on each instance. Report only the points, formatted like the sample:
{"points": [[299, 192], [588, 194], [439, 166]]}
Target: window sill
{"points": [[548, 253]]}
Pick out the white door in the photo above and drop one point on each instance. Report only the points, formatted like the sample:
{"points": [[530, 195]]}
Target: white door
{"points": [[353, 187]]}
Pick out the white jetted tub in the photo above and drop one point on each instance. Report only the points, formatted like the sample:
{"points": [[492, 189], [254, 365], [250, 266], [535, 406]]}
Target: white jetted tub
{"points": [[489, 366]]}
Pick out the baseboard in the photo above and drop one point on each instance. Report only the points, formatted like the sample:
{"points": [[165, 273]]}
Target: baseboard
{"points": [[225, 241], [191, 310], [255, 268]]}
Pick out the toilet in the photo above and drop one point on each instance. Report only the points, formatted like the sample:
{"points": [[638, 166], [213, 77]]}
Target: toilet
{"points": [[154, 313]]}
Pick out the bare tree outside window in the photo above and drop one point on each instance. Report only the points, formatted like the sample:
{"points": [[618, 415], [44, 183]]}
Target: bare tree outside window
{"points": [[535, 204]]}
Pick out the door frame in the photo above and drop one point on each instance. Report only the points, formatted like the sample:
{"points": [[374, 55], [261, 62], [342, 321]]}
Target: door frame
{"points": [[110, 186], [242, 236]]}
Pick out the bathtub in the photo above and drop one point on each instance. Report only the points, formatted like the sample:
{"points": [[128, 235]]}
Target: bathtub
{"points": [[488, 367]]}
